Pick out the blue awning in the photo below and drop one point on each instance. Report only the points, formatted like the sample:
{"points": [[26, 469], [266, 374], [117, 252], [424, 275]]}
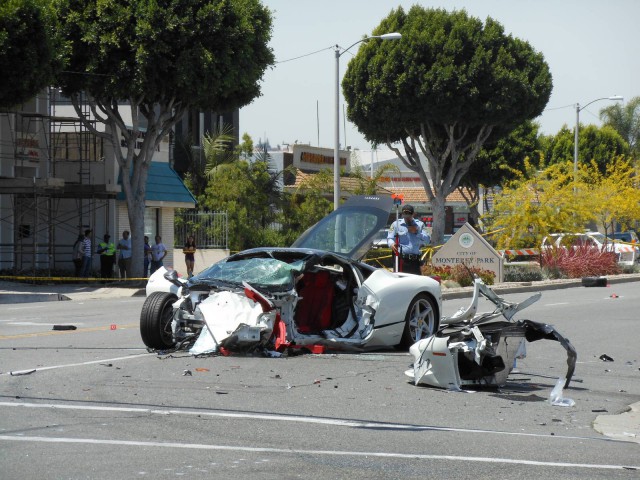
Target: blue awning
{"points": [[164, 186]]}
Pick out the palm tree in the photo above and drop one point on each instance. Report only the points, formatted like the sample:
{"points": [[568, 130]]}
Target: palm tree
{"points": [[626, 121]]}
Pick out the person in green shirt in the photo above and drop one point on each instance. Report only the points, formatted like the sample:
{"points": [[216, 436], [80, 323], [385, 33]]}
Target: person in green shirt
{"points": [[107, 251]]}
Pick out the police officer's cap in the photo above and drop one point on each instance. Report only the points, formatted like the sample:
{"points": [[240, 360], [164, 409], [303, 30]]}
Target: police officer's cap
{"points": [[407, 209]]}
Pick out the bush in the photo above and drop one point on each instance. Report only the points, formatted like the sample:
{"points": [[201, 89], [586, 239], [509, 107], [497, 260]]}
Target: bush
{"points": [[522, 273], [577, 262], [461, 274]]}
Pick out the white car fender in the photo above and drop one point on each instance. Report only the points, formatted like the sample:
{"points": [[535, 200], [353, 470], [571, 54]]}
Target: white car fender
{"points": [[395, 292], [157, 283]]}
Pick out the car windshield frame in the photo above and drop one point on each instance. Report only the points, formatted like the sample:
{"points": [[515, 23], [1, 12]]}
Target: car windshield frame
{"points": [[349, 230]]}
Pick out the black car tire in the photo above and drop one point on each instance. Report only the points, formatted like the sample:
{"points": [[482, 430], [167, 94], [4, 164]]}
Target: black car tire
{"points": [[422, 304], [155, 320]]}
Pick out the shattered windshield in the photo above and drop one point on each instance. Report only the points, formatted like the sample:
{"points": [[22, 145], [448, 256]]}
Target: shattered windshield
{"points": [[267, 273]]}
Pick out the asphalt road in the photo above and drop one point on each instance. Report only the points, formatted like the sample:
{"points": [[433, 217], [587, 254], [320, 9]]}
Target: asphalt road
{"points": [[99, 406]]}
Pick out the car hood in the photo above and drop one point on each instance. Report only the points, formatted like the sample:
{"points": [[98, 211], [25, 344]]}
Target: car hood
{"points": [[349, 230]]}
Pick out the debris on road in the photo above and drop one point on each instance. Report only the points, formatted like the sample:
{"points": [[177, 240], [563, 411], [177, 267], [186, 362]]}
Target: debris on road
{"points": [[22, 372], [64, 327], [605, 358]]}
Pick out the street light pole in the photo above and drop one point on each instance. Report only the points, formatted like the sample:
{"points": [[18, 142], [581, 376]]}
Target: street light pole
{"points": [[336, 145], [616, 98]]}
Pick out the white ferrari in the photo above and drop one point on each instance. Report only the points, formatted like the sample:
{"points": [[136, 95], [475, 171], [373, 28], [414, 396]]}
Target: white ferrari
{"points": [[315, 294]]}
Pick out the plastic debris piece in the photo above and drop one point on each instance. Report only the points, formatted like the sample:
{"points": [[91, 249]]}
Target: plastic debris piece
{"points": [[599, 410], [316, 381], [23, 372], [555, 397], [64, 327], [202, 369], [113, 326], [187, 373], [107, 364], [605, 358], [613, 295]]}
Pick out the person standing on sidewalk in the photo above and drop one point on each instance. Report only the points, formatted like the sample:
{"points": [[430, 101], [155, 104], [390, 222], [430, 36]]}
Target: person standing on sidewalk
{"points": [[107, 251], [189, 251], [158, 252], [124, 262], [86, 253]]}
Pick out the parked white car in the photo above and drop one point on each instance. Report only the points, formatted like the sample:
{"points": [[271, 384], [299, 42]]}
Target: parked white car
{"points": [[627, 254]]}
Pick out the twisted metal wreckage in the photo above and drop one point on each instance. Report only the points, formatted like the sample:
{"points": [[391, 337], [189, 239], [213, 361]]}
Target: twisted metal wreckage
{"points": [[468, 348], [472, 348]]}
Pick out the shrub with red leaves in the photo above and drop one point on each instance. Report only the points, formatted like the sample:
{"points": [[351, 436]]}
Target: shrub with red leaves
{"points": [[577, 262]]}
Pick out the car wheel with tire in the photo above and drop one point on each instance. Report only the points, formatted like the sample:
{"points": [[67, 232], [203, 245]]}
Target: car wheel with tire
{"points": [[421, 320], [155, 320]]}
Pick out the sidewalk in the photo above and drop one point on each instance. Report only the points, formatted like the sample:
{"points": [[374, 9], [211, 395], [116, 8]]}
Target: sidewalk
{"points": [[13, 292]]}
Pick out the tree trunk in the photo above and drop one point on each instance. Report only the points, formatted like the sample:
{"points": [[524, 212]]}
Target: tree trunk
{"points": [[438, 204]]}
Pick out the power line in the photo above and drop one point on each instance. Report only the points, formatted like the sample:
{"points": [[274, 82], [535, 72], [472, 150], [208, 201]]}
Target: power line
{"points": [[305, 55]]}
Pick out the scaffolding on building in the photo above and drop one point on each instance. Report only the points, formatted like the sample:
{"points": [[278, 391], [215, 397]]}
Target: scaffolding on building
{"points": [[51, 196]]}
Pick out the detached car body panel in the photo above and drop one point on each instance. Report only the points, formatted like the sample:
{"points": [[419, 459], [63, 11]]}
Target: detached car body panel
{"points": [[472, 348], [315, 293]]}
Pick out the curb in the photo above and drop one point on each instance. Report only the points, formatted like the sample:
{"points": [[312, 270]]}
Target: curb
{"points": [[523, 287]]}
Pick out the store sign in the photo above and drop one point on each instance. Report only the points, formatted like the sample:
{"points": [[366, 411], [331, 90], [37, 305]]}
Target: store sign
{"points": [[468, 247], [308, 158]]}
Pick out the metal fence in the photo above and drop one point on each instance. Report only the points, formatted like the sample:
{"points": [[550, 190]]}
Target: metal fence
{"points": [[210, 229]]}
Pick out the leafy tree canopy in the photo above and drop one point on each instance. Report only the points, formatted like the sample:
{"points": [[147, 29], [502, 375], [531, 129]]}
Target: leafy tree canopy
{"points": [[602, 144], [450, 84], [28, 50], [208, 54], [548, 199], [449, 69]]}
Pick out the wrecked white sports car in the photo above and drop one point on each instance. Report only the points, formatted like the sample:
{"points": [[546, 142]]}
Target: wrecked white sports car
{"points": [[315, 294], [472, 348]]}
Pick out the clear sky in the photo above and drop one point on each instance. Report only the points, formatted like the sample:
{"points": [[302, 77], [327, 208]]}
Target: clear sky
{"points": [[591, 46]]}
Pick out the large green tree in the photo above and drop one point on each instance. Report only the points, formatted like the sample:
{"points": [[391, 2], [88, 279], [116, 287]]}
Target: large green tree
{"points": [[499, 163], [450, 84], [625, 119], [601, 144], [29, 49], [159, 58]]}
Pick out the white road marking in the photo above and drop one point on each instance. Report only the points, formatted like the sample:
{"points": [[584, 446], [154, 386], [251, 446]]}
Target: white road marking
{"points": [[52, 367], [555, 304], [288, 451], [38, 324], [297, 419]]}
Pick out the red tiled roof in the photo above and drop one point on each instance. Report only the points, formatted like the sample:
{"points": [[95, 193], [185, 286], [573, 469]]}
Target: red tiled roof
{"points": [[411, 194]]}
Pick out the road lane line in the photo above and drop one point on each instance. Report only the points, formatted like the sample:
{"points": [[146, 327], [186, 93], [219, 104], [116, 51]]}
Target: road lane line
{"points": [[297, 419], [288, 451], [52, 367]]}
